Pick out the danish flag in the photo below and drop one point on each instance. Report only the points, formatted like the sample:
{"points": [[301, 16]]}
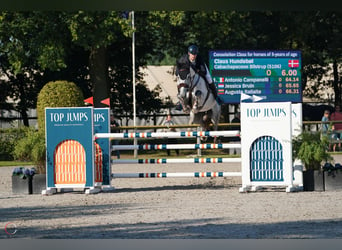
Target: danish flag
{"points": [[293, 63]]}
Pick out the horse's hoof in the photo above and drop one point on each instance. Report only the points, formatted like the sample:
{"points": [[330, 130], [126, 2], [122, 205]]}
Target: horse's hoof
{"points": [[204, 138]]}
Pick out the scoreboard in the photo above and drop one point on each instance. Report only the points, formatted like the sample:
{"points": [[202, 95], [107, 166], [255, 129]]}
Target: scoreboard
{"points": [[272, 75]]}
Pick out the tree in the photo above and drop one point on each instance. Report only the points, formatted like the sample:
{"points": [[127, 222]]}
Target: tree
{"points": [[38, 47], [29, 43], [93, 48], [95, 32], [322, 41], [120, 69]]}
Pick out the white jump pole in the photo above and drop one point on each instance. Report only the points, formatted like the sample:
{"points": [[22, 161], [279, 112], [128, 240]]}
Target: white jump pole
{"points": [[176, 146], [231, 133], [175, 175], [176, 160]]}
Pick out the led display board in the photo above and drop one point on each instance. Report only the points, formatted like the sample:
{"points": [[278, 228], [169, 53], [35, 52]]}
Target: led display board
{"points": [[270, 76]]}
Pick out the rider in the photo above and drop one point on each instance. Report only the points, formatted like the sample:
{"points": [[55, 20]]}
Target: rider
{"points": [[194, 60]]}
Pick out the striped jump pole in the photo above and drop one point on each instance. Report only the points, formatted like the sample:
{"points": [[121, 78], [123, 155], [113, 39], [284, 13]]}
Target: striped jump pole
{"points": [[231, 133], [176, 146], [175, 175], [176, 160]]}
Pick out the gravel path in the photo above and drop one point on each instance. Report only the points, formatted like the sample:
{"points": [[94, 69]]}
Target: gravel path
{"points": [[171, 208]]}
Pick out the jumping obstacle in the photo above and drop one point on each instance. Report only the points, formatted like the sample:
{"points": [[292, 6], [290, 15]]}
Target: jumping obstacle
{"points": [[78, 149], [265, 147], [188, 134], [73, 159]]}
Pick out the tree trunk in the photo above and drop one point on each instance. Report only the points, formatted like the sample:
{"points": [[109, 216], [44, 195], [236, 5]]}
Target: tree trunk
{"points": [[98, 70], [336, 84], [21, 108], [24, 116]]}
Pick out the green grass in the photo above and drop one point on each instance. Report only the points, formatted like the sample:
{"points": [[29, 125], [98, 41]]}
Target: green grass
{"points": [[15, 163]]}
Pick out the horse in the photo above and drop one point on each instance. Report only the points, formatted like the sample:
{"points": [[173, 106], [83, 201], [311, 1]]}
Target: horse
{"points": [[202, 105]]}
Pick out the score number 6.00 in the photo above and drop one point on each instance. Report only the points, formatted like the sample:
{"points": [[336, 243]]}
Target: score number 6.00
{"points": [[284, 72]]}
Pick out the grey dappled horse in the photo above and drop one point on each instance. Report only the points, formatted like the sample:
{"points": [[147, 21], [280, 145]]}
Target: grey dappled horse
{"points": [[202, 107]]}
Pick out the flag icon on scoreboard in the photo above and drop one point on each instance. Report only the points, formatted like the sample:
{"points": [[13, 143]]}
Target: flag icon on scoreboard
{"points": [[293, 63], [220, 85], [221, 79], [220, 91]]}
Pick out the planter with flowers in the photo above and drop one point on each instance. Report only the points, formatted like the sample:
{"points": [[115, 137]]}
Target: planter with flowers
{"points": [[332, 176], [312, 149], [30, 148], [26, 181]]}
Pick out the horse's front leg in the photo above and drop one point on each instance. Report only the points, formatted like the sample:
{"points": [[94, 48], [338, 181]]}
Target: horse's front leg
{"points": [[184, 99], [185, 106], [191, 119], [197, 97]]}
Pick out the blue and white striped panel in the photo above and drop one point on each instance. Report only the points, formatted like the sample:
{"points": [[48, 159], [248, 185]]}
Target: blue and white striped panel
{"points": [[266, 160]]}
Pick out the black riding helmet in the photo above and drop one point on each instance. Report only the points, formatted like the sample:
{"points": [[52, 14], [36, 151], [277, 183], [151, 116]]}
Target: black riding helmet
{"points": [[193, 49]]}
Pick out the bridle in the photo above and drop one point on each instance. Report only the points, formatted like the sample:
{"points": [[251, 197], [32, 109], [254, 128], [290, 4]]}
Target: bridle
{"points": [[183, 84], [189, 84], [189, 79]]}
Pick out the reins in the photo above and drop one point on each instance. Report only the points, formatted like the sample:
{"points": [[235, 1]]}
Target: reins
{"points": [[207, 96], [193, 85]]}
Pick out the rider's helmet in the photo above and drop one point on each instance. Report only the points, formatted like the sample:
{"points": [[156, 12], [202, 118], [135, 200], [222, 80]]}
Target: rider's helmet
{"points": [[193, 49]]}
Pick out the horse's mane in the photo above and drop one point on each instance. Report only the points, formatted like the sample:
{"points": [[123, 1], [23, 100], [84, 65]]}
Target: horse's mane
{"points": [[183, 61], [183, 67]]}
